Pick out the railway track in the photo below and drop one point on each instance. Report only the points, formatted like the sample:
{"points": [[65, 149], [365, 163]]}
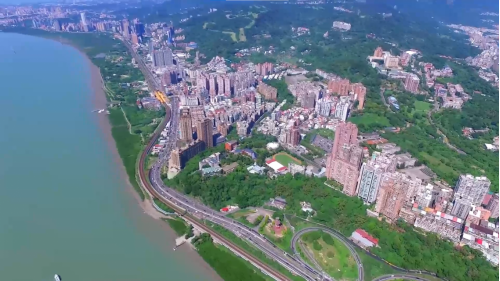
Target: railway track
{"points": [[144, 177]]}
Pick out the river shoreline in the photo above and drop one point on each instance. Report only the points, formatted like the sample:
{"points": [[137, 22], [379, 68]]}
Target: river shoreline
{"points": [[100, 101]]}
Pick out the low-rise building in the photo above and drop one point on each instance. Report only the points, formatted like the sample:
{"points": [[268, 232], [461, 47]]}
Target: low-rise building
{"points": [[452, 102], [363, 239], [255, 169], [442, 226], [483, 237]]}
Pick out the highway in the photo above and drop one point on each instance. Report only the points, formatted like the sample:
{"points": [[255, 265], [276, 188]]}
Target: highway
{"points": [[194, 211], [200, 211], [399, 277], [345, 241], [151, 80]]}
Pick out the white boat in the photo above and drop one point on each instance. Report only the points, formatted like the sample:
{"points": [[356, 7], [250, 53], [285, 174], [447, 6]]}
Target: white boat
{"points": [[57, 277]]}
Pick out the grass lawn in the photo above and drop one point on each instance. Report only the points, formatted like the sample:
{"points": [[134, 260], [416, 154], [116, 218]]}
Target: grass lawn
{"points": [[332, 255], [439, 164], [422, 107], [163, 206], [129, 146], [241, 213], [372, 267], [241, 216], [284, 159], [369, 118], [227, 264], [243, 38], [233, 35], [178, 225]]}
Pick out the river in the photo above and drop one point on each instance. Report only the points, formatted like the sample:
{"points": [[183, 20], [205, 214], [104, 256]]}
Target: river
{"points": [[65, 205]]}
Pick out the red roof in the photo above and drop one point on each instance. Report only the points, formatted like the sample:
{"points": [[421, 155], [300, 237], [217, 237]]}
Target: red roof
{"points": [[367, 236], [225, 209], [486, 199], [281, 169], [269, 161]]}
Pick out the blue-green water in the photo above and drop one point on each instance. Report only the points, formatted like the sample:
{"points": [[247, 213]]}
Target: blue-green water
{"points": [[65, 206]]}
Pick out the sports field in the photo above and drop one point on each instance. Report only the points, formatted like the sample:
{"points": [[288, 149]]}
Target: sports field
{"points": [[285, 158]]}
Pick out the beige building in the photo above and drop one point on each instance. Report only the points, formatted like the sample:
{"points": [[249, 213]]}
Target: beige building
{"points": [[204, 130], [186, 126]]}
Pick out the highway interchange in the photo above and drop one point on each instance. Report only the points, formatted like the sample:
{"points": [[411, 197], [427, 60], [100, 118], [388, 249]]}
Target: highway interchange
{"points": [[197, 210], [341, 238]]}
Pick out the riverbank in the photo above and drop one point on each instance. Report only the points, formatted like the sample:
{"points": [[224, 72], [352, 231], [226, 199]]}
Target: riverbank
{"points": [[100, 101], [125, 147]]}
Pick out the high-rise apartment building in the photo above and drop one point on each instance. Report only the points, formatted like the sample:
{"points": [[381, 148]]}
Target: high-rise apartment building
{"points": [[339, 86], [139, 29], [264, 68], [220, 84], [371, 176], [84, 23], [360, 92], [185, 125], [492, 206], [344, 161], [324, 107], [342, 108], [56, 24], [162, 58], [308, 101], [212, 85], [391, 195], [179, 157], [126, 28], [411, 83], [204, 130], [228, 83], [461, 208], [293, 136], [268, 92], [134, 38], [472, 189]]}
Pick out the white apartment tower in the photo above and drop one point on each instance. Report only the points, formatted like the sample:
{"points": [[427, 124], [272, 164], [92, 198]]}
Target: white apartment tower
{"points": [[371, 175]]}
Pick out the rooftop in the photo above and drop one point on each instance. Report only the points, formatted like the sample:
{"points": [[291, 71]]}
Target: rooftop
{"points": [[367, 236]]}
